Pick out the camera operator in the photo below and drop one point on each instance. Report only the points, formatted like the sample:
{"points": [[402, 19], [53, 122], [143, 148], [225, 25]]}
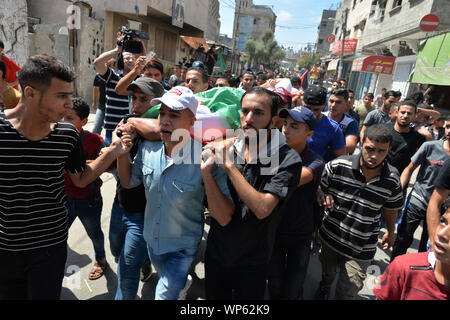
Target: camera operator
{"points": [[116, 105]]}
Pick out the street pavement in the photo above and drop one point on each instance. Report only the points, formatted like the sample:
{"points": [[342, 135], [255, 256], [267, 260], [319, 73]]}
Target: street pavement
{"points": [[80, 259]]}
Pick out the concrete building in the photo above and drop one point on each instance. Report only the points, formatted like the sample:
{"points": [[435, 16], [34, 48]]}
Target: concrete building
{"points": [[213, 24], [77, 32], [324, 29], [250, 22], [389, 30]]}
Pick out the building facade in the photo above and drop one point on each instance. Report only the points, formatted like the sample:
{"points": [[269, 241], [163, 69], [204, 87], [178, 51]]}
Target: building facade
{"points": [[213, 25], [386, 29], [323, 30]]}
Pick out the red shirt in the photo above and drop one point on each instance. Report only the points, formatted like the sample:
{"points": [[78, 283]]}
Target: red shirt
{"points": [[11, 69], [400, 282], [92, 143]]}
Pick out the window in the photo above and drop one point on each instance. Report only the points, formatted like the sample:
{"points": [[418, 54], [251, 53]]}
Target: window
{"points": [[373, 7], [396, 3], [320, 41], [354, 4]]}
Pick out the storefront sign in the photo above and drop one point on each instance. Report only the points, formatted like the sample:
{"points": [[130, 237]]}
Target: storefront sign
{"points": [[349, 46], [374, 64]]}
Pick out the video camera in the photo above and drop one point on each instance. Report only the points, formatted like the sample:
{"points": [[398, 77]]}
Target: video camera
{"points": [[128, 43]]}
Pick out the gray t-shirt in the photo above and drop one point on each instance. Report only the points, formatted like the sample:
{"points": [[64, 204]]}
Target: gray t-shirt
{"points": [[376, 117], [431, 157]]}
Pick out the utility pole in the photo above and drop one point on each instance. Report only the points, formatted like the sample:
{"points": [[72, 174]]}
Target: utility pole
{"points": [[341, 59]]}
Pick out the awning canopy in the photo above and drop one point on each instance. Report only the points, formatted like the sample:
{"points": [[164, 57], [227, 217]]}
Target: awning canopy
{"points": [[195, 42], [433, 61], [374, 64], [333, 65]]}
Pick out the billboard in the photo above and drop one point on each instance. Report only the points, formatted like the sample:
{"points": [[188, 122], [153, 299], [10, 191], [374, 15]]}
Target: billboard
{"points": [[349, 46], [244, 32], [178, 13]]}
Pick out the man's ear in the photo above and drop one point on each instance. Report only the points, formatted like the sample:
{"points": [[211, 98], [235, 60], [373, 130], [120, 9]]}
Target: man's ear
{"points": [[30, 92], [84, 122], [310, 134]]}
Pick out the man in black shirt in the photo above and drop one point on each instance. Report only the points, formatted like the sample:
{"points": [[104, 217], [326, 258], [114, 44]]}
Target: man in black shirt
{"points": [[405, 140], [238, 254]]}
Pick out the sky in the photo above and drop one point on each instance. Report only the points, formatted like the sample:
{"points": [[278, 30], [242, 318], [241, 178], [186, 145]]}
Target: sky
{"points": [[297, 20]]}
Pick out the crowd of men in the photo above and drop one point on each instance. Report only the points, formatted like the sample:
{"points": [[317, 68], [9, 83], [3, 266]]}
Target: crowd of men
{"points": [[307, 170]]}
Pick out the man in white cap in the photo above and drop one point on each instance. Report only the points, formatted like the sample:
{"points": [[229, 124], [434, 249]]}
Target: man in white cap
{"points": [[178, 178]]}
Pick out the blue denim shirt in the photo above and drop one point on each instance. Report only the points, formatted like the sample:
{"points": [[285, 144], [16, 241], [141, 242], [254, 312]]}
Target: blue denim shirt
{"points": [[174, 214]]}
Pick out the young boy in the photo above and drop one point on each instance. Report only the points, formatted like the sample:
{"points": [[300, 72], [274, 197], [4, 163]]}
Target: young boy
{"points": [[86, 203], [422, 275]]}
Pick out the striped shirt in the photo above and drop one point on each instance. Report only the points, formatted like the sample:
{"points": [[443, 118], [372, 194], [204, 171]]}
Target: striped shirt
{"points": [[116, 104], [352, 228], [32, 194]]}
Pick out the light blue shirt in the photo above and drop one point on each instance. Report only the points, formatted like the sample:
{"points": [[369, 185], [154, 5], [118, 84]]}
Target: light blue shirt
{"points": [[175, 193]]}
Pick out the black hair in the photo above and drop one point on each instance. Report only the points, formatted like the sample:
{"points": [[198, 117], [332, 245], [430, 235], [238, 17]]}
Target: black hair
{"points": [[296, 80], [223, 76], [340, 92], [248, 71], [2, 45], [80, 107], [274, 98], [410, 103], [39, 70], [202, 72], [234, 82], [3, 69], [370, 95], [378, 133], [390, 93]]}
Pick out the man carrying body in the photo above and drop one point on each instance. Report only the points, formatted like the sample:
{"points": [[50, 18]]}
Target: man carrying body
{"points": [[358, 189], [289, 263], [237, 255], [176, 188]]}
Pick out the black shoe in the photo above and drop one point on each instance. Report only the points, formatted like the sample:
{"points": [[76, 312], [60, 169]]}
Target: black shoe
{"points": [[322, 293], [146, 271]]}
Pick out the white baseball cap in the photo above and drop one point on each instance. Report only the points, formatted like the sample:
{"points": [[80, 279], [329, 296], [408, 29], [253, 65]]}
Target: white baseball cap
{"points": [[178, 98]]}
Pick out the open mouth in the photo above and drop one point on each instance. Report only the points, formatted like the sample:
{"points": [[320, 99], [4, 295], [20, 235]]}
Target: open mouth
{"points": [[439, 249], [165, 132]]}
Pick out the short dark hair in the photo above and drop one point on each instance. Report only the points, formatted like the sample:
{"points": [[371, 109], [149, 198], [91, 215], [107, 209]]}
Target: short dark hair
{"points": [[202, 72], [3, 69], [275, 100], [155, 63], [410, 103], [378, 133], [296, 80], [391, 93], [370, 95], [39, 70], [247, 72], [340, 92], [80, 107], [223, 76]]}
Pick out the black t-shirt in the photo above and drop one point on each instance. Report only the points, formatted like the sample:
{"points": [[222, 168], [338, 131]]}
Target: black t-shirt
{"points": [[404, 145], [98, 82], [131, 200], [298, 218], [247, 240]]}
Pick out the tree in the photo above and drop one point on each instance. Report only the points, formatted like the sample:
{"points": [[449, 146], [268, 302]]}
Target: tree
{"points": [[308, 61], [266, 51]]}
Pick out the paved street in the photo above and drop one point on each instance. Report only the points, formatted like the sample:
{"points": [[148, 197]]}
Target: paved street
{"points": [[77, 286]]}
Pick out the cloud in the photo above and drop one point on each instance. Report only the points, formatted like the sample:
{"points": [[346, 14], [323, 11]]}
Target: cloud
{"points": [[284, 16]]}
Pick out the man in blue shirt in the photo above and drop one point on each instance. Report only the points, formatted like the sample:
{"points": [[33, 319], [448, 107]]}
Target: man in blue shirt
{"points": [[178, 179], [327, 134], [337, 104]]}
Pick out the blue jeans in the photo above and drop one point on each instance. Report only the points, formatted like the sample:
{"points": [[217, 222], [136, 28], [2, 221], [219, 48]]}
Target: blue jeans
{"points": [[288, 267], [98, 121], [89, 213], [173, 269], [129, 246]]}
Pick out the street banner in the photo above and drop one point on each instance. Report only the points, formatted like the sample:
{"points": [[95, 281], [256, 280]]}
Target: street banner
{"points": [[178, 13], [349, 46]]}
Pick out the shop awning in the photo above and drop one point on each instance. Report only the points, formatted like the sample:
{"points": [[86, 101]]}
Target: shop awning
{"points": [[332, 66], [433, 61], [195, 42], [374, 64]]}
